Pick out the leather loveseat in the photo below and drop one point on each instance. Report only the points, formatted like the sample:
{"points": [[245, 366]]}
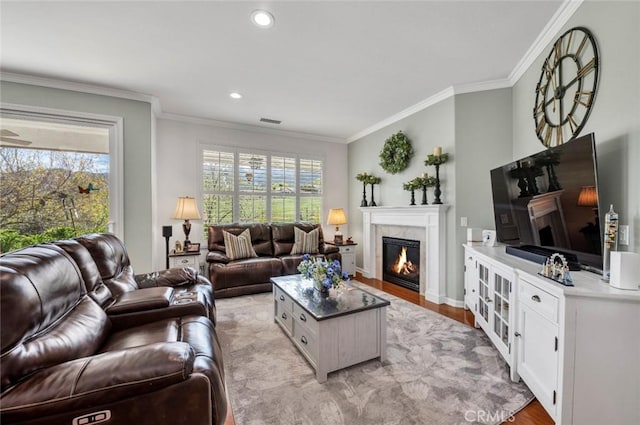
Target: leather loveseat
{"points": [[65, 360], [272, 244]]}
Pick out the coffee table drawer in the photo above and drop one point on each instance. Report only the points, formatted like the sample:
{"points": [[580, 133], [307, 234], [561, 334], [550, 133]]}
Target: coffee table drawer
{"points": [[307, 342], [284, 302], [305, 319], [284, 317]]}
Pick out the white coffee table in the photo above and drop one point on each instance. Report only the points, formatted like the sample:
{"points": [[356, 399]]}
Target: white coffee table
{"points": [[331, 333]]}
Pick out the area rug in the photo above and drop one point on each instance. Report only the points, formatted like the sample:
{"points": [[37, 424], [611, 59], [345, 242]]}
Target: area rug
{"points": [[438, 372]]}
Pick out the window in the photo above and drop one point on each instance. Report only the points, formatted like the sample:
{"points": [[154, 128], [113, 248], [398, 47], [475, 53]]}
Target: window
{"points": [[259, 187]]}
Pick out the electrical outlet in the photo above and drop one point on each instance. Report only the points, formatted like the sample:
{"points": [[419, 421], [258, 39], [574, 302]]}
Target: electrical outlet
{"points": [[623, 234], [463, 222]]}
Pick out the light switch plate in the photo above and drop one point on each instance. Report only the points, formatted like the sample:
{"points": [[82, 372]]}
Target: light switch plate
{"points": [[463, 222]]}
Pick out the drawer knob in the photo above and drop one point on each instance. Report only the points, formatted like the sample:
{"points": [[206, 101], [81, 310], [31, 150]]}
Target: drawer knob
{"points": [[517, 334], [281, 297], [535, 298], [185, 261], [488, 300], [303, 340], [302, 317], [284, 316]]}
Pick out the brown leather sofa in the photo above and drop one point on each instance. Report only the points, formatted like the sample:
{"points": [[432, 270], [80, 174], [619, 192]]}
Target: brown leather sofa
{"points": [[64, 362], [272, 243]]}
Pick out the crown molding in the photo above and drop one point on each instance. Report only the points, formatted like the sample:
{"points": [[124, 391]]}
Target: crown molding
{"points": [[548, 33], [481, 86], [81, 87], [248, 127], [430, 101]]}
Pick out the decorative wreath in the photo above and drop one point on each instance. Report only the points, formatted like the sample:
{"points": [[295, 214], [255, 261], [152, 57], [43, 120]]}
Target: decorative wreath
{"points": [[396, 153]]}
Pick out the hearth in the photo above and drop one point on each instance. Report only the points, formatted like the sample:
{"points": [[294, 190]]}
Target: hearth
{"points": [[401, 262]]}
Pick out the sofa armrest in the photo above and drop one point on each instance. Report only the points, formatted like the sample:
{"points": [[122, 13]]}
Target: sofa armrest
{"points": [[217, 257], [328, 249], [98, 380], [141, 300], [178, 276]]}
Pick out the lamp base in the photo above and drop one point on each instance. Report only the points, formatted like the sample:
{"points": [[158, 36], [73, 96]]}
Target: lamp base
{"points": [[338, 239]]}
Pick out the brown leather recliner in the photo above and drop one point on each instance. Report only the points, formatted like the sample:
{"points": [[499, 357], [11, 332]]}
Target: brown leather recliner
{"points": [[62, 362], [176, 291], [272, 243]]}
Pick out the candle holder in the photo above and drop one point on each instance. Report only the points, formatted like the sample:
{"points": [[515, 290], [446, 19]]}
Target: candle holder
{"points": [[437, 160], [412, 186], [426, 182], [367, 179], [363, 177], [363, 203], [373, 181]]}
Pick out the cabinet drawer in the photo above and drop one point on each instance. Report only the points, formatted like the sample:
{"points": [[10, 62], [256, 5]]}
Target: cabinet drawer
{"points": [[307, 342], [347, 249], [284, 302], [539, 301], [187, 261], [305, 320], [284, 317]]}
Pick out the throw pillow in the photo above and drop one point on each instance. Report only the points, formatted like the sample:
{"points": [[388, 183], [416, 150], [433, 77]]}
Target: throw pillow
{"points": [[238, 247], [305, 243]]}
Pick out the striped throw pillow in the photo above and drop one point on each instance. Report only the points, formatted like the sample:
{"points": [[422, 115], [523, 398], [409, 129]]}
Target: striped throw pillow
{"points": [[238, 247], [305, 243]]}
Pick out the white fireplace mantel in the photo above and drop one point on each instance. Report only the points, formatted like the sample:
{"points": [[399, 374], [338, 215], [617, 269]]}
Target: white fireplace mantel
{"points": [[431, 223]]}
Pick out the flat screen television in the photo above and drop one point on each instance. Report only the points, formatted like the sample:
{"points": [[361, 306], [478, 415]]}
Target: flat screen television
{"points": [[548, 202]]}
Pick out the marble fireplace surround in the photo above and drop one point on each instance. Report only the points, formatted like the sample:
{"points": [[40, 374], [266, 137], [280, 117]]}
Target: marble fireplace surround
{"points": [[425, 223]]}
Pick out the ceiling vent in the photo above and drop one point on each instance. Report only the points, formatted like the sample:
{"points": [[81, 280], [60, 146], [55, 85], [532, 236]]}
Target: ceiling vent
{"points": [[270, 121]]}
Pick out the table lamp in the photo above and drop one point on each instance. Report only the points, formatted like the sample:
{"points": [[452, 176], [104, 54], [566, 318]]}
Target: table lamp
{"points": [[186, 209], [336, 218]]}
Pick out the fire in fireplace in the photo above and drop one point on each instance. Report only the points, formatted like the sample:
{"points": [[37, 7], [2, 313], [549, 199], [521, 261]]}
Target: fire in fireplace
{"points": [[401, 262]]}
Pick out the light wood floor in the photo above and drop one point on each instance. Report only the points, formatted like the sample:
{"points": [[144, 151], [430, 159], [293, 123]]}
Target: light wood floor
{"points": [[532, 414]]}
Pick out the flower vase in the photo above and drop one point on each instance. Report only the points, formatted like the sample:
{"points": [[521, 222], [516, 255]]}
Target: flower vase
{"points": [[322, 290]]}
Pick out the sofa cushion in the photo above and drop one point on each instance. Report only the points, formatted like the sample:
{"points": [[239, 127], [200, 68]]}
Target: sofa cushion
{"points": [[260, 237], [305, 242], [238, 247], [284, 237]]}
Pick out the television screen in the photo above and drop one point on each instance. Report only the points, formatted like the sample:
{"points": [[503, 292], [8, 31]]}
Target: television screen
{"points": [[550, 200]]}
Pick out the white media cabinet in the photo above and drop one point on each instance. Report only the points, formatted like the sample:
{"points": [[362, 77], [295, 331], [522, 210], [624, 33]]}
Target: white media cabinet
{"points": [[577, 348]]}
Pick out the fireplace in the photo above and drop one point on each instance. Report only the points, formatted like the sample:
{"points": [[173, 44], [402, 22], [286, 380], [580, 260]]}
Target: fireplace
{"points": [[401, 262]]}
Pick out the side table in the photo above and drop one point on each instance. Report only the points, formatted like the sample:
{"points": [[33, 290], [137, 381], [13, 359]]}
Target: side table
{"points": [[348, 253]]}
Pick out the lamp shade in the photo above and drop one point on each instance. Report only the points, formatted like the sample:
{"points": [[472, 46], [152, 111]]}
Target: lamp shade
{"points": [[186, 209], [588, 197], [336, 217]]}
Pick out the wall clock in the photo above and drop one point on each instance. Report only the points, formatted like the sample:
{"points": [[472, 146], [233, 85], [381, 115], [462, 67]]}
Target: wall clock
{"points": [[567, 87]]}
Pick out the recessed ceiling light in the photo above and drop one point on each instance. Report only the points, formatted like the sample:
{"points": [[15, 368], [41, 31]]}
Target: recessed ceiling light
{"points": [[235, 95], [262, 19]]}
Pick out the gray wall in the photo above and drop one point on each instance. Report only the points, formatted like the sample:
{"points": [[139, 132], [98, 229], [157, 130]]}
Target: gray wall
{"points": [[483, 141], [426, 129], [615, 118], [138, 154]]}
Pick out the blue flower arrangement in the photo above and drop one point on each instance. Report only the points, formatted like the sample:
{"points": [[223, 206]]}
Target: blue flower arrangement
{"points": [[324, 274]]}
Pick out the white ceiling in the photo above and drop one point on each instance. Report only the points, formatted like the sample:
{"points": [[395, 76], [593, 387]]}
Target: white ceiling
{"points": [[327, 68]]}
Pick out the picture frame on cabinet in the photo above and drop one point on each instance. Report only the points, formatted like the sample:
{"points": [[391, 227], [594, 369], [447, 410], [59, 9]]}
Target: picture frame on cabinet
{"points": [[194, 247]]}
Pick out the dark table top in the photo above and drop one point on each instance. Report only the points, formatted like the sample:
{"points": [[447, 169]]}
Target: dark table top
{"points": [[346, 301]]}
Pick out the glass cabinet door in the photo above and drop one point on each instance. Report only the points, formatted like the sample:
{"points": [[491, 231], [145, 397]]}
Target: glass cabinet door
{"points": [[483, 292], [501, 289]]}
